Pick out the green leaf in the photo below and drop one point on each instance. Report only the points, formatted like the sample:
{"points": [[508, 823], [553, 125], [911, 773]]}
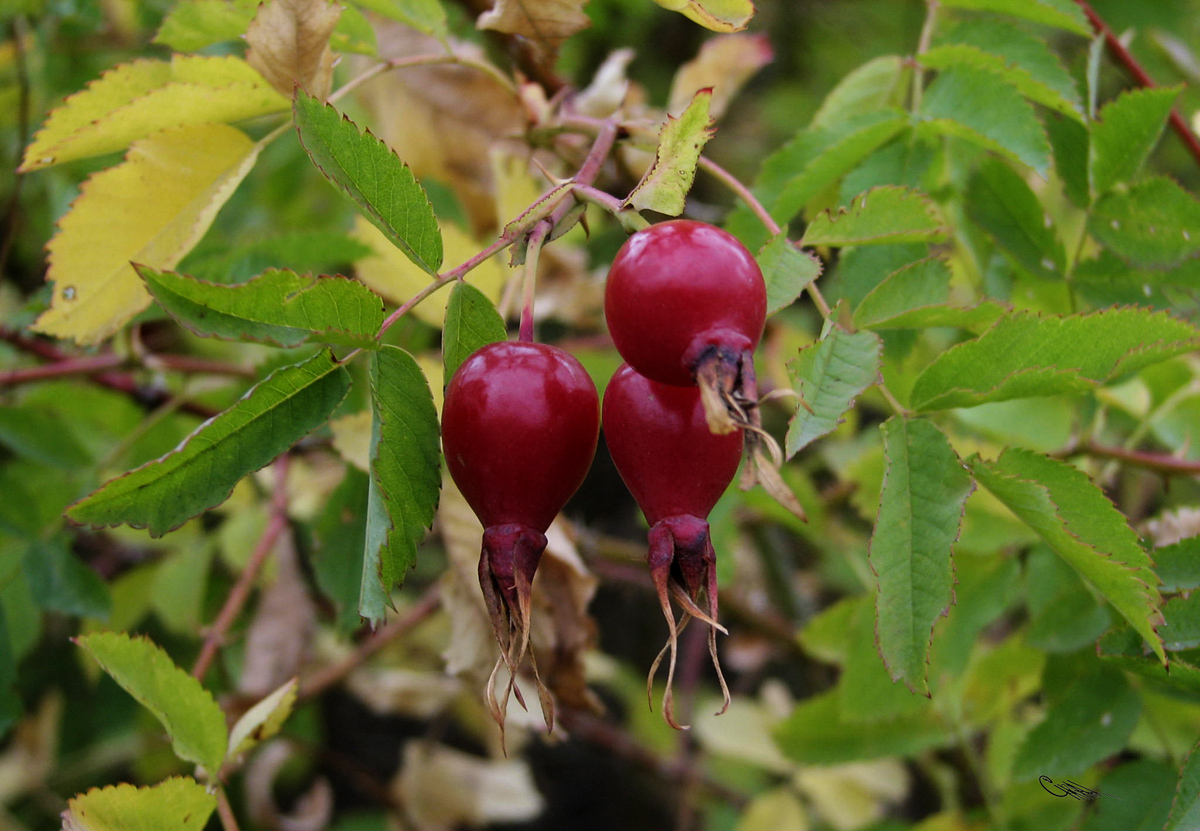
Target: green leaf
{"points": [[1178, 565], [191, 25], [1069, 139], [829, 375], [816, 158], [1127, 130], [1000, 202], [816, 733], [1089, 721], [191, 716], [1185, 810], [1020, 58], [1025, 355], [905, 161], [201, 473], [1181, 623], [405, 475], [916, 297], [874, 86], [665, 185], [715, 15], [278, 307], [1062, 14], [985, 109], [59, 582], [866, 693], [1125, 648], [178, 804], [367, 170], [471, 322], [311, 251], [426, 16], [263, 720], [1063, 614], [881, 216], [1074, 516], [338, 544], [787, 271], [920, 514], [1155, 223], [41, 436], [1134, 797]]}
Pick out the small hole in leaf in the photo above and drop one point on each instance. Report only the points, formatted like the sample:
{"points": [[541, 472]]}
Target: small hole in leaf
{"points": [[69, 293]]}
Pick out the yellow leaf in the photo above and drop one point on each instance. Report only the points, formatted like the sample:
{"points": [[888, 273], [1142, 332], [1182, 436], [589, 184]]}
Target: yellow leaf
{"points": [[151, 209], [393, 275], [717, 15], [546, 22], [665, 186], [775, 810], [137, 99], [289, 44], [724, 65], [352, 438]]}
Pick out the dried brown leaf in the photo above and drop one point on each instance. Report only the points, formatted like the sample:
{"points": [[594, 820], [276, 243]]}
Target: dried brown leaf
{"points": [[283, 628], [545, 22], [289, 44]]}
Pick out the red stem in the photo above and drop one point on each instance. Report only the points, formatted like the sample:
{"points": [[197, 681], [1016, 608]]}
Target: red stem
{"points": [[1157, 462], [1123, 57], [68, 366]]}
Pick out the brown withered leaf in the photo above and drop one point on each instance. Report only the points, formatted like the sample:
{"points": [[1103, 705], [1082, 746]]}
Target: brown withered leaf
{"points": [[283, 627], [289, 44], [545, 22], [725, 64]]}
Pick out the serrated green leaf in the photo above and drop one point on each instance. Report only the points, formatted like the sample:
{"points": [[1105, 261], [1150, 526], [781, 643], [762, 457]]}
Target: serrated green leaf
{"points": [[869, 88], [1003, 204], [178, 804], [1181, 623], [920, 513], [1178, 565], [1020, 58], [882, 216], [426, 16], [1075, 518], [665, 186], [1026, 355], [263, 720], [816, 733], [1069, 140], [1185, 809], [1062, 14], [786, 270], [816, 158], [191, 25], [985, 109], [338, 544], [1064, 615], [201, 473], [405, 475], [904, 161], [866, 693], [1125, 648], [859, 270], [278, 307], [829, 376], [1156, 223], [1089, 721], [191, 716], [140, 98], [471, 322], [920, 284], [366, 170], [59, 582], [1125, 133]]}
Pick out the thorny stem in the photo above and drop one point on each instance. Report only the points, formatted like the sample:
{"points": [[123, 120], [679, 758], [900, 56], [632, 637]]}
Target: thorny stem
{"points": [[1127, 60], [325, 678], [240, 593], [529, 279]]}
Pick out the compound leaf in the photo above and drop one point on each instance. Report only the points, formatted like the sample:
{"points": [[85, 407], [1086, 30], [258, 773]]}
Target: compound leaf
{"points": [[1155, 223], [278, 307], [190, 714], [405, 475], [665, 186], [829, 375], [883, 215], [201, 473], [920, 512], [152, 208], [1075, 518], [787, 271], [1062, 14], [179, 803], [1126, 131], [985, 109], [366, 170], [138, 99], [1026, 355], [471, 322]]}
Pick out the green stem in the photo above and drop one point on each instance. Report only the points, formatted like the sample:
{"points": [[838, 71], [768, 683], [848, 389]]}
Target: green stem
{"points": [[918, 82]]}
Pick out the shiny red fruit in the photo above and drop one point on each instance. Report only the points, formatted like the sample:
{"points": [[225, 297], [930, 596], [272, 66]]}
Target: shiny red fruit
{"points": [[662, 446], [519, 430], [679, 289]]}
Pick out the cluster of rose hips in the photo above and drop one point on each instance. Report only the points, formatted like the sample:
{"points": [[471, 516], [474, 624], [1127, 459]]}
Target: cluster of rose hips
{"points": [[685, 304]]}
